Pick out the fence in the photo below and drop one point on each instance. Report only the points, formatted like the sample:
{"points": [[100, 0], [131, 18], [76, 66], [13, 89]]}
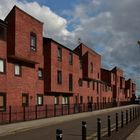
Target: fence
{"points": [[126, 117], [17, 114]]}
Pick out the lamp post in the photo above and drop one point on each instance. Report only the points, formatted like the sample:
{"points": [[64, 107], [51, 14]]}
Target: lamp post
{"points": [[138, 43]]}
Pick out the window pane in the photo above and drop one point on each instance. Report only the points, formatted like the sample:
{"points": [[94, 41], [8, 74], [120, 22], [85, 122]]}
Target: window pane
{"points": [[25, 99], [40, 73], [56, 100], [1, 66], [59, 54], [17, 69], [33, 41], [39, 100], [70, 58], [1, 101], [59, 77]]}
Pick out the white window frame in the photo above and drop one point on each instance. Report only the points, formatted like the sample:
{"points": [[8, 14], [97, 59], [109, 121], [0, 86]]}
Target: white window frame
{"points": [[2, 67], [17, 68]]}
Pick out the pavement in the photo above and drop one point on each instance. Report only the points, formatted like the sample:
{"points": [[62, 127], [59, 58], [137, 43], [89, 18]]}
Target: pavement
{"points": [[135, 135], [9, 129]]}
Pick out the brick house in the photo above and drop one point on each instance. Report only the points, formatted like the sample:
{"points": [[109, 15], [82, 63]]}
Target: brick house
{"points": [[38, 71], [22, 53]]}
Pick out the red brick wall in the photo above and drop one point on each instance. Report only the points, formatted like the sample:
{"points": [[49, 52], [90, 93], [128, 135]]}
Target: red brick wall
{"points": [[28, 82], [3, 54]]}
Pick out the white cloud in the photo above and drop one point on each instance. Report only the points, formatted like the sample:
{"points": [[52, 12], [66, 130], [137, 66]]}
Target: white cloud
{"points": [[114, 25], [55, 26]]}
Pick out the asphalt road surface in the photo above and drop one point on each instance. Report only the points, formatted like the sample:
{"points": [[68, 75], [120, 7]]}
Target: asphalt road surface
{"points": [[71, 129]]}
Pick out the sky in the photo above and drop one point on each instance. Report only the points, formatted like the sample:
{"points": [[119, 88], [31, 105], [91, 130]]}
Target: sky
{"points": [[110, 27]]}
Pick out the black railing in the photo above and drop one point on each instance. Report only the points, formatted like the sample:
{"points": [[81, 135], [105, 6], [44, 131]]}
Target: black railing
{"points": [[18, 114]]}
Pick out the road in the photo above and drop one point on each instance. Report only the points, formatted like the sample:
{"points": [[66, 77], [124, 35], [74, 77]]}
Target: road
{"points": [[71, 129]]}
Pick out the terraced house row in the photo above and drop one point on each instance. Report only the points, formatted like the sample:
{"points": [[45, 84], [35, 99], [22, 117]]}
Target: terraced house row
{"points": [[35, 70]]}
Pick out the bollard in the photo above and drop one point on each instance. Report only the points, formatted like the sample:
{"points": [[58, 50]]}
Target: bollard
{"points": [[98, 129], [10, 114], [126, 117], [59, 135], [133, 113], [84, 130], [109, 126], [122, 119], [130, 115], [116, 121]]}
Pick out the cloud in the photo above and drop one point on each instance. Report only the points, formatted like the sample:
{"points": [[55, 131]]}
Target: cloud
{"points": [[55, 26], [110, 27], [114, 25]]}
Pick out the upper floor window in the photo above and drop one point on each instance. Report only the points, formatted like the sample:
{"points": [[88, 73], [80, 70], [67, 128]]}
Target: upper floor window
{"points": [[81, 64], [97, 88], [70, 58], [59, 77], [91, 67], [93, 85], [59, 54], [40, 73], [33, 41], [70, 82], [80, 82], [17, 70], [98, 75], [2, 66], [2, 33], [88, 84]]}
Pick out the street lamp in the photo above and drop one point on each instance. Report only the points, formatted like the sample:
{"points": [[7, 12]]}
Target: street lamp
{"points": [[138, 43]]}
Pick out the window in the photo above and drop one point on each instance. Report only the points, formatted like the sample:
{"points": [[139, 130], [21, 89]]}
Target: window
{"points": [[17, 70], [2, 101], [98, 75], [2, 66], [39, 99], [81, 64], [88, 84], [80, 82], [81, 99], [2, 33], [88, 99], [33, 41], [65, 100], [25, 99], [70, 58], [93, 85], [59, 54], [59, 77], [97, 88], [40, 73], [56, 100], [76, 99], [70, 82], [91, 99], [91, 67]]}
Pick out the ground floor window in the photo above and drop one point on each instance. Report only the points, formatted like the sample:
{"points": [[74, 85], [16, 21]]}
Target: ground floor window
{"points": [[2, 101], [65, 100], [81, 99], [56, 100], [39, 99], [25, 99]]}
